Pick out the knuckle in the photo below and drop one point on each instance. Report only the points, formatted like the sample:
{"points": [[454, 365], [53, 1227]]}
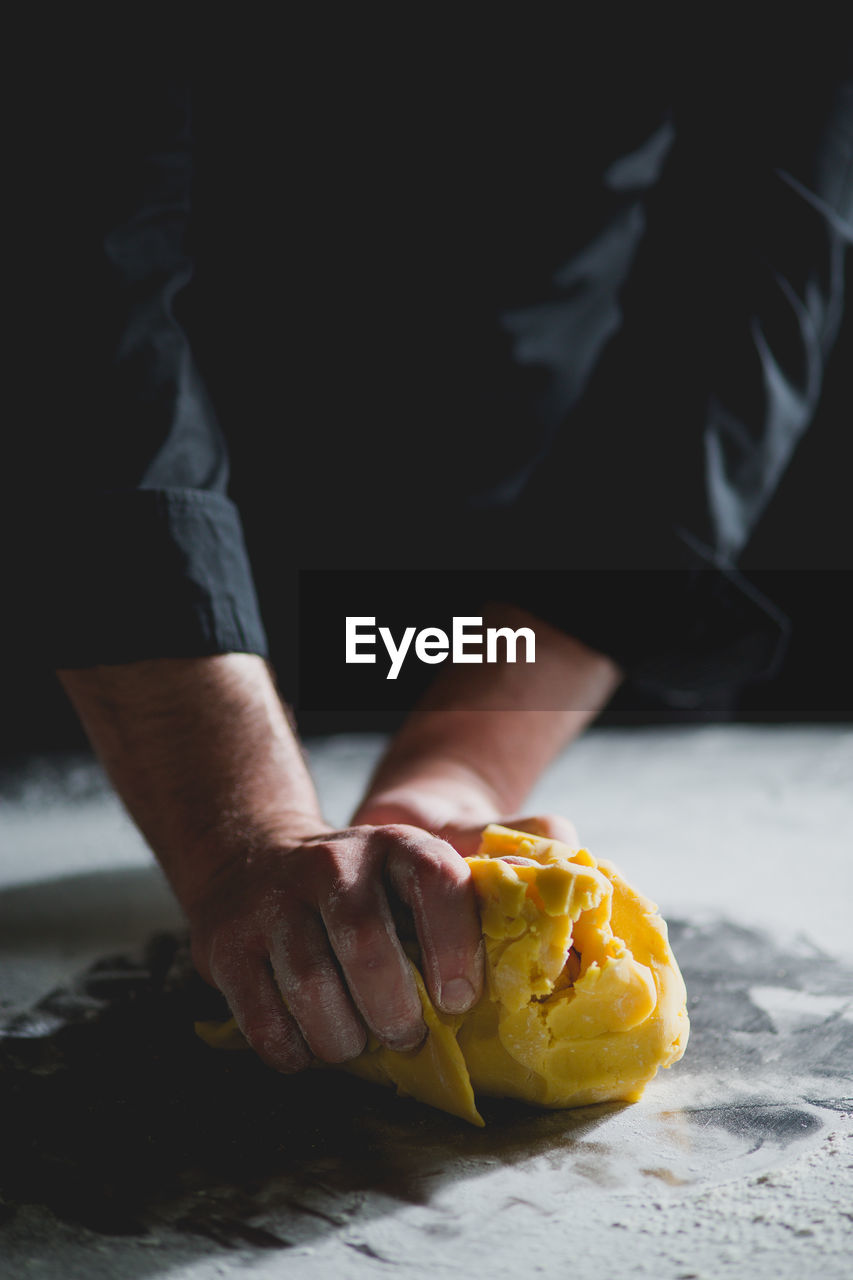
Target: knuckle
{"points": [[398, 830], [445, 871], [434, 870], [413, 844], [229, 948], [325, 856], [360, 945], [423, 856], [335, 871], [313, 985]]}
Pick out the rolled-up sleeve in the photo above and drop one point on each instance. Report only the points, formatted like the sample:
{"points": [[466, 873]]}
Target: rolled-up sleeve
{"points": [[140, 553], [148, 573]]}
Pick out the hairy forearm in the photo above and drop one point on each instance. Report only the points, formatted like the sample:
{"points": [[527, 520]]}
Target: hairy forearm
{"points": [[201, 752], [494, 730]]}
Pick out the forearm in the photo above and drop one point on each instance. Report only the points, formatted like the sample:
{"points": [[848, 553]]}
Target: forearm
{"points": [[201, 753], [483, 735]]}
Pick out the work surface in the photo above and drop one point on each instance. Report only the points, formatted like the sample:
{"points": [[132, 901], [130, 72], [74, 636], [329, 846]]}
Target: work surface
{"points": [[130, 1150]]}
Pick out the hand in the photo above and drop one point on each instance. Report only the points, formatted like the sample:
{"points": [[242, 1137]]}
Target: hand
{"points": [[453, 801], [292, 920], [444, 817], [300, 938]]}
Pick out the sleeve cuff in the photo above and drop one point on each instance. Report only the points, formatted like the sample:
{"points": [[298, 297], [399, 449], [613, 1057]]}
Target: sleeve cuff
{"points": [[129, 575]]}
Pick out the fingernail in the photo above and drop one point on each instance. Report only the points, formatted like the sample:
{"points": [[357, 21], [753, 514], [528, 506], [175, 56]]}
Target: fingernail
{"points": [[457, 995]]}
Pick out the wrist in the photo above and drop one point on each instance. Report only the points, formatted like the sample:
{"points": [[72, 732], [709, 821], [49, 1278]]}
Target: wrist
{"points": [[482, 737], [431, 791], [215, 869]]}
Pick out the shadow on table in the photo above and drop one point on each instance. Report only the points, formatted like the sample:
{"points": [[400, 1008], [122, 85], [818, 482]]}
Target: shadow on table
{"points": [[117, 1118], [86, 913]]}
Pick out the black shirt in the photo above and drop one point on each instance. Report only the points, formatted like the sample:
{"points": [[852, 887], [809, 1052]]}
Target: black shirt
{"points": [[505, 301]]}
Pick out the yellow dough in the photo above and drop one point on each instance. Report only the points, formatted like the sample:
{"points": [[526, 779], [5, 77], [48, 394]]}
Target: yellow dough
{"points": [[583, 1001]]}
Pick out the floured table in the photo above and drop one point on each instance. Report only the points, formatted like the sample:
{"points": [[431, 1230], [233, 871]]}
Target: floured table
{"points": [[128, 1149]]}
